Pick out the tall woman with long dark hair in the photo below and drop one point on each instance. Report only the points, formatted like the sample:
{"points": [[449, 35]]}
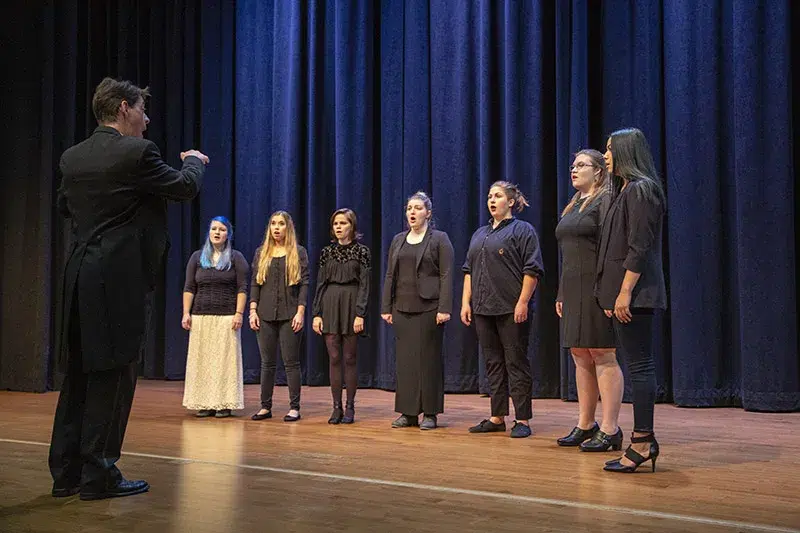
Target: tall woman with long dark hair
{"points": [[630, 279]]}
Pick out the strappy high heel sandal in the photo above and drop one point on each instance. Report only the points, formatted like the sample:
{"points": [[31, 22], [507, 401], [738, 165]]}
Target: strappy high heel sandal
{"points": [[634, 456]]}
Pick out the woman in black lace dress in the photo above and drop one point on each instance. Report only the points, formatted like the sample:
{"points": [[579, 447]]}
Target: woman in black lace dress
{"points": [[339, 307]]}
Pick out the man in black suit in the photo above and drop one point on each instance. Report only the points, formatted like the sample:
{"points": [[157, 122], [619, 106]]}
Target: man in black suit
{"points": [[114, 189]]}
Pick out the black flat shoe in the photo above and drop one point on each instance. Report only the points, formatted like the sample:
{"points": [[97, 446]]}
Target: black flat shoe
{"points": [[635, 457], [578, 435], [121, 488], [487, 426], [336, 415], [290, 418], [205, 413], [65, 492], [520, 430], [405, 421], [264, 416], [428, 422], [602, 442], [223, 413]]}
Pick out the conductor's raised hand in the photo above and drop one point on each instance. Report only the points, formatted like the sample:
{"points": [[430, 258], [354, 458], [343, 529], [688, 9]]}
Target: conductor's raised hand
{"points": [[196, 153]]}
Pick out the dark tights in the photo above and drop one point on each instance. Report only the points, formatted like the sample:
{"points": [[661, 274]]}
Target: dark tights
{"points": [[338, 344]]}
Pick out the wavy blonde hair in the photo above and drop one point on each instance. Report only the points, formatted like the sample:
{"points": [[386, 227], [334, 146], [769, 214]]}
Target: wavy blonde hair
{"points": [[599, 187], [268, 247]]}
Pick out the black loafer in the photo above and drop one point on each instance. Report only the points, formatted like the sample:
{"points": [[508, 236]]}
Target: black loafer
{"points": [[578, 435], [64, 492], [120, 489], [487, 426]]}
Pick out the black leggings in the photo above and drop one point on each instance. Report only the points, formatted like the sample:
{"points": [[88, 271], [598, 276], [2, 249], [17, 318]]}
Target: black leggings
{"points": [[635, 344], [348, 344]]}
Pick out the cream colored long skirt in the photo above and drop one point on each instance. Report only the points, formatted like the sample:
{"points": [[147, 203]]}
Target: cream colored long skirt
{"points": [[214, 364]]}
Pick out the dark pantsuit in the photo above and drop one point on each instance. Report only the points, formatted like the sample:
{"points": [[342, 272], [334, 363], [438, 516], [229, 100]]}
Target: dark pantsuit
{"points": [[420, 372], [635, 344], [270, 335], [90, 421], [505, 350]]}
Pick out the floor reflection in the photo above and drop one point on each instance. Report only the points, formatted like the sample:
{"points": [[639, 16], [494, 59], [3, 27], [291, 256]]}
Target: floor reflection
{"points": [[207, 494]]}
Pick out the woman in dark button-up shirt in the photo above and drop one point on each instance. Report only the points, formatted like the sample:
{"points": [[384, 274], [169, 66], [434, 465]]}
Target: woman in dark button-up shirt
{"points": [[340, 305], [630, 279], [585, 329], [417, 300], [503, 266], [278, 294]]}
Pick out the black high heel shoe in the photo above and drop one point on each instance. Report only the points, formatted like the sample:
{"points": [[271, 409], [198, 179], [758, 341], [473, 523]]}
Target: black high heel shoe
{"points": [[336, 415], [634, 456], [578, 435], [602, 442]]}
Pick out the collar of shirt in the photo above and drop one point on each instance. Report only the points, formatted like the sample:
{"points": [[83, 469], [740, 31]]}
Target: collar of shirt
{"points": [[503, 223]]}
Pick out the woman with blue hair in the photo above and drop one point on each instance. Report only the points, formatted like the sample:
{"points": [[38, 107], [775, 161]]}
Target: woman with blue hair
{"points": [[214, 298]]}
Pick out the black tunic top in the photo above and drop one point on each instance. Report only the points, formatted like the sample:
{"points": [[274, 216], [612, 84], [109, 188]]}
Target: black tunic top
{"points": [[215, 290], [583, 323], [343, 265], [498, 259], [275, 299], [407, 298]]}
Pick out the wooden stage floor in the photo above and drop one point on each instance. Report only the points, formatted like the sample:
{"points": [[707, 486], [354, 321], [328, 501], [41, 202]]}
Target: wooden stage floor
{"points": [[719, 470]]}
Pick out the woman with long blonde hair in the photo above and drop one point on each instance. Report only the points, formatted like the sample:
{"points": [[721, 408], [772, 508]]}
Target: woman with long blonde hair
{"points": [[278, 294]]}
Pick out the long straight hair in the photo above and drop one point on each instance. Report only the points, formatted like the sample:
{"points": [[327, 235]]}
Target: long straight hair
{"points": [[633, 162], [207, 255], [599, 187], [268, 245]]}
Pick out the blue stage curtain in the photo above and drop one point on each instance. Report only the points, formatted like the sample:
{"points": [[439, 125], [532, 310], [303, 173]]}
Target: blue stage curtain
{"points": [[311, 105]]}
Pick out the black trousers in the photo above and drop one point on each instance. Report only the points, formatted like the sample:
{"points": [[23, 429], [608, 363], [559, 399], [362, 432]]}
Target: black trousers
{"points": [[635, 344], [90, 421], [505, 351], [270, 336], [419, 364]]}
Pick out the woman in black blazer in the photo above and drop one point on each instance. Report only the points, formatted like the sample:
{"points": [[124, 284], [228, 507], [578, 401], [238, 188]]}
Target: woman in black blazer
{"points": [[630, 280], [417, 300]]}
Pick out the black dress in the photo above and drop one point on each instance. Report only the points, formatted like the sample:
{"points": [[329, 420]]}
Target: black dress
{"points": [[342, 287], [583, 323]]}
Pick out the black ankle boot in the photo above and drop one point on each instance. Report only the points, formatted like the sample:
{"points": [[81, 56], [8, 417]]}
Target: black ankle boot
{"points": [[349, 413], [602, 442], [635, 457], [336, 415]]}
